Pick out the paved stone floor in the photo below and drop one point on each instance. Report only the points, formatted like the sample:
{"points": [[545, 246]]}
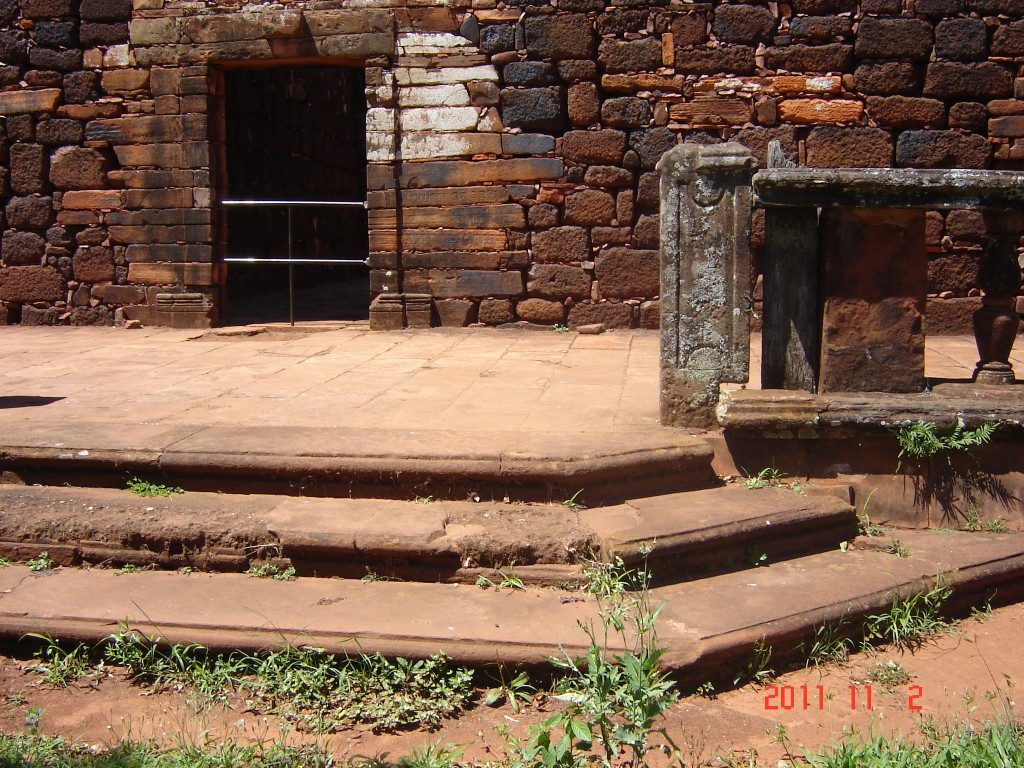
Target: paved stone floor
{"points": [[466, 379]]}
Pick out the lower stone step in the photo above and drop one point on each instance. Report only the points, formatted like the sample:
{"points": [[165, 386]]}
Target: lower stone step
{"points": [[710, 626]]}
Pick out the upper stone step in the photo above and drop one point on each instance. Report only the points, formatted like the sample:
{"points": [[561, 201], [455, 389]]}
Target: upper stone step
{"points": [[348, 462]]}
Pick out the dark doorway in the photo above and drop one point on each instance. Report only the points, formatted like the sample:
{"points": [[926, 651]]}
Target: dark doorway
{"points": [[294, 134]]}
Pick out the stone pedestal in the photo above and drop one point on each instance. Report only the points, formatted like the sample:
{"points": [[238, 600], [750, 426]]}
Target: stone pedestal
{"points": [[996, 323], [705, 277], [874, 285]]}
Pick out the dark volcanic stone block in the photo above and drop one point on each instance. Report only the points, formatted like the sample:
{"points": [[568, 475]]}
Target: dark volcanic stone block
{"points": [[961, 39], [889, 78], [569, 36], [893, 39], [746, 24], [942, 149], [971, 82], [535, 109]]}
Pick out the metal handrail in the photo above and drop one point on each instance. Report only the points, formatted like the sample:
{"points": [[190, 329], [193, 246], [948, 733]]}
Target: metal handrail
{"points": [[291, 261]]}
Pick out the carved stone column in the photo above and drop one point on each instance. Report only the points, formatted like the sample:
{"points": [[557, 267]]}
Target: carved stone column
{"points": [[705, 277], [996, 323]]}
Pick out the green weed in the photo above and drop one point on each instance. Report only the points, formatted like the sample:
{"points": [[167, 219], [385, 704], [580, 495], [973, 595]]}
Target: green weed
{"points": [[889, 674], [560, 328], [41, 562], [895, 548], [758, 668], [573, 502], [517, 691], [910, 619], [141, 487], [830, 645], [924, 440], [271, 571], [767, 477], [59, 666], [510, 580]]}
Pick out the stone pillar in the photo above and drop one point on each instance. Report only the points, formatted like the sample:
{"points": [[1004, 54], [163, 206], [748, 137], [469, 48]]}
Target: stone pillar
{"points": [[874, 286], [996, 323], [705, 277]]}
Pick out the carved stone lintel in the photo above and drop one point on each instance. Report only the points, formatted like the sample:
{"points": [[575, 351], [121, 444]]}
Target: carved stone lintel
{"points": [[705, 277]]}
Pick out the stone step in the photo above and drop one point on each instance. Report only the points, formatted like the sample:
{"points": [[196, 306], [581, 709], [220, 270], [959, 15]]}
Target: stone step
{"points": [[348, 462], [689, 533], [709, 626]]}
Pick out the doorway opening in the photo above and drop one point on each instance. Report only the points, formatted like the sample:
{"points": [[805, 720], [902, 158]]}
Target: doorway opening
{"points": [[292, 181]]}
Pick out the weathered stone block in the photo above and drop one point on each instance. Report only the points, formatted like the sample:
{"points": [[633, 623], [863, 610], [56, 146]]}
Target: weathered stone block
{"points": [[94, 264], [893, 39], [747, 24], [56, 34], [610, 315], [527, 143], [1008, 40], [979, 81], [474, 283], [495, 312], [834, 57], [576, 71], [33, 283], [60, 131], [813, 7], [626, 273], [1010, 127], [118, 294], [820, 29], [106, 10], [584, 104], [647, 232], [630, 55], [438, 119], [543, 215], [651, 144], [689, 29], [882, 7], [961, 39], [455, 313], [533, 109], [874, 300], [78, 168], [725, 59], [604, 147], [29, 102], [626, 112], [33, 212], [648, 191], [937, 9], [455, 173], [541, 311], [889, 78], [558, 281], [159, 31], [108, 199], [80, 87], [618, 21], [816, 111], [561, 244], [608, 176], [533, 73], [589, 207], [20, 248], [567, 36], [955, 272], [8, 11], [13, 46], [28, 168], [495, 38], [483, 94], [941, 149], [601, 236], [834, 147], [61, 60], [94, 33], [906, 112], [758, 139]]}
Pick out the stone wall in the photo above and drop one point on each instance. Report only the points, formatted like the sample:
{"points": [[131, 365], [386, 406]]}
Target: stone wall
{"points": [[510, 145]]}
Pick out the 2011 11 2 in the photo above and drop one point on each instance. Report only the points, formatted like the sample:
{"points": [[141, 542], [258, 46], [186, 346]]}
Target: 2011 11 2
{"points": [[805, 697]]}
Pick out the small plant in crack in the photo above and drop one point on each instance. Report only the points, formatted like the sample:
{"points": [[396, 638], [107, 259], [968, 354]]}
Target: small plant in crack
{"points": [[573, 502], [895, 548], [41, 562], [271, 571], [141, 487], [890, 674]]}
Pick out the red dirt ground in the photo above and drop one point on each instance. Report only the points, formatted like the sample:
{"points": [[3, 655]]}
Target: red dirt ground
{"points": [[966, 675]]}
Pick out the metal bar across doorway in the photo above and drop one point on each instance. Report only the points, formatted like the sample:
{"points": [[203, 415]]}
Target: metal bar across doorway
{"points": [[289, 205]]}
